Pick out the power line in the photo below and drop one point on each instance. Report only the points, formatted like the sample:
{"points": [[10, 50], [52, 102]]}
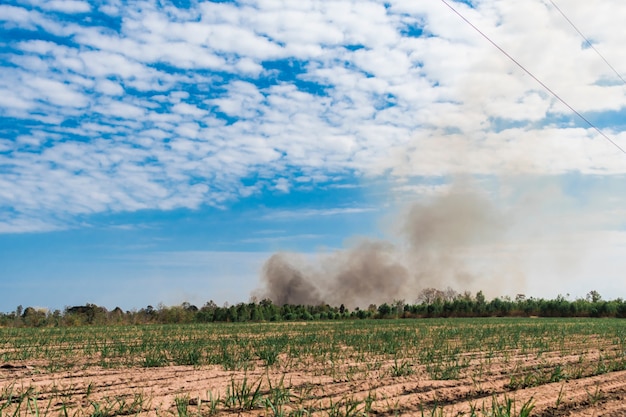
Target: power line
{"points": [[587, 41], [534, 78]]}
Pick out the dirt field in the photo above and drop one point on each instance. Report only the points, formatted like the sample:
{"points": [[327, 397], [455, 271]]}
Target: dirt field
{"points": [[160, 391], [575, 376]]}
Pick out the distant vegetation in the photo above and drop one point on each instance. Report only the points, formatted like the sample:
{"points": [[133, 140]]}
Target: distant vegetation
{"points": [[431, 303]]}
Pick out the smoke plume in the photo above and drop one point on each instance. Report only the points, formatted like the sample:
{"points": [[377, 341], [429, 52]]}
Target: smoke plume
{"points": [[433, 244]]}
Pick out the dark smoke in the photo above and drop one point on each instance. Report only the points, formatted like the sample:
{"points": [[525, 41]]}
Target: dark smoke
{"points": [[364, 274], [435, 239], [286, 284]]}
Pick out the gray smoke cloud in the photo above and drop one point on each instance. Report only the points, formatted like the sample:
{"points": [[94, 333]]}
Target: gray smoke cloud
{"points": [[285, 283], [434, 245]]}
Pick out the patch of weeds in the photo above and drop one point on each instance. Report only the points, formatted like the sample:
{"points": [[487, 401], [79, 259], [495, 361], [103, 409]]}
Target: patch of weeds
{"points": [[303, 393], [392, 407], [443, 371], [508, 408], [154, 359], [596, 396], [532, 378], [33, 407], [12, 401], [437, 411], [133, 407], [242, 395], [213, 403], [101, 411], [278, 394], [300, 412], [369, 401], [402, 368], [558, 374], [182, 406], [268, 350], [188, 357], [349, 407], [601, 367], [118, 406]]}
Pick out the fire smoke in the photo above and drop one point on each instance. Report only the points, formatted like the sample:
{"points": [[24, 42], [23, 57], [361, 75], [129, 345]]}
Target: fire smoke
{"points": [[433, 247]]}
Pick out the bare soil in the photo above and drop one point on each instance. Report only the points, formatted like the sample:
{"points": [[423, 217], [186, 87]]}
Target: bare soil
{"points": [[163, 390]]}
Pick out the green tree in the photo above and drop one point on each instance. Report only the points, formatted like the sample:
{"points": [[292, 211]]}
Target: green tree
{"points": [[34, 317], [384, 310], [594, 296]]}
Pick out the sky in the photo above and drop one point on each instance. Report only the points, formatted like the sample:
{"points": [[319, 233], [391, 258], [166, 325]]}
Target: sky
{"points": [[161, 151]]}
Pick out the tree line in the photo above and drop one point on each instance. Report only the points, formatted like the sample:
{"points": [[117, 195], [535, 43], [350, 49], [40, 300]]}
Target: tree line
{"points": [[431, 303]]}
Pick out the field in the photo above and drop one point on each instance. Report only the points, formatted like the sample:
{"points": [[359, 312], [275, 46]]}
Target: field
{"points": [[447, 367]]}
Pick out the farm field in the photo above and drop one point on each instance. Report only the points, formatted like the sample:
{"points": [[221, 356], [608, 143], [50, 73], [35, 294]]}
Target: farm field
{"points": [[430, 367]]}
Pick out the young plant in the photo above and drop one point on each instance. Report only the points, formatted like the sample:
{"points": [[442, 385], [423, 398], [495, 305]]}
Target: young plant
{"points": [[243, 396], [402, 368]]}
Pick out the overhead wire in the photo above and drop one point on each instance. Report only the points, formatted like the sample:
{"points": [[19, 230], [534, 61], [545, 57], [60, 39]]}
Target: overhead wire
{"points": [[542, 84], [587, 41]]}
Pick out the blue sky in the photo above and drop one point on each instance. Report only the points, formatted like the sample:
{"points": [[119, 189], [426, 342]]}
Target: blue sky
{"points": [[162, 151]]}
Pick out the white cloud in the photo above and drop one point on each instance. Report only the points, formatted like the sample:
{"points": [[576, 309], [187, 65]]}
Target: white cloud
{"points": [[243, 100], [111, 7], [28, 224], [282, 184], [10, 101], [109, 87], [16, 16], [135, 117], [188, 110], [58, 93], [66, 6], [102, 64]]}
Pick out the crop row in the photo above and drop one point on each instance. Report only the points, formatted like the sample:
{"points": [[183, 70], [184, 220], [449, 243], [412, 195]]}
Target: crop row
{"points": [[489, 357], [433, 343]]}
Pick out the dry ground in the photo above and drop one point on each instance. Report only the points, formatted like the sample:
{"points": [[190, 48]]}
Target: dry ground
{"points": [[180, 390]]}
